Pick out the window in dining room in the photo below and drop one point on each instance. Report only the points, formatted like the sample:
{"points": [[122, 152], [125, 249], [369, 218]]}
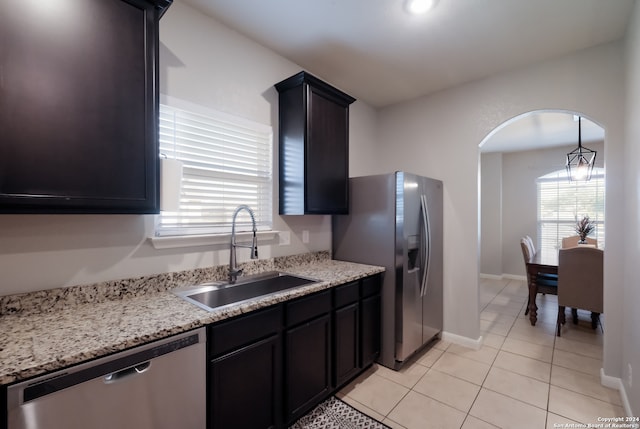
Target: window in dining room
{"points": [[561, 202]]}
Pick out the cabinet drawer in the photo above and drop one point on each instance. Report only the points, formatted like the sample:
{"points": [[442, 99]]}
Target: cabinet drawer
{"points": [[371, 285], [308, 307], [227, 336], [346, 294]]}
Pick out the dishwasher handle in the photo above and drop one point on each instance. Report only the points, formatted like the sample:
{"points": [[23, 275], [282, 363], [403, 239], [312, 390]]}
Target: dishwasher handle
{"points": [[114, 377], [113, 367]]}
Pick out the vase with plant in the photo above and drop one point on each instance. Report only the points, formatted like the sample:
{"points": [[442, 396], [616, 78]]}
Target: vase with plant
{"points": [[584, 227]]}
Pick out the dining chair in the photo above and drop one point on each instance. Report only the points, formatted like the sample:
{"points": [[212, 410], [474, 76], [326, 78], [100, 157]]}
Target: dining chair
{"points": [[544, 283], [574, 239], [532, 247], [580, 279]]}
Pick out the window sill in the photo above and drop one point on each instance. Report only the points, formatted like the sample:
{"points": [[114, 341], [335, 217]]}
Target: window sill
{"points": [[171, 242]]}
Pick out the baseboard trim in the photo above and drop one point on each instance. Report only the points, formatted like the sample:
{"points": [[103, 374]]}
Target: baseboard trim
{"points": [[514, 277], [491, 276], [616, 383], [502, 277], [463, 341]]}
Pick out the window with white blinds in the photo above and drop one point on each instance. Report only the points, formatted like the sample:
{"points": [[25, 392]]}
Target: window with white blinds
{"points": [[227, 161], [561, 203]]}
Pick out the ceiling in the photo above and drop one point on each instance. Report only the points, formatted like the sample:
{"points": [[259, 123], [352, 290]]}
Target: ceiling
{"points": [[377, 52], [542, 130]]}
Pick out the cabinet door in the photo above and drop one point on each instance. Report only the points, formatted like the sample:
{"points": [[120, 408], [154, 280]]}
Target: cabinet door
{"points": [[245, 387], [327, 157], [78, 107], [314, 146], [370, 338], [346, 328], [307, 366]]}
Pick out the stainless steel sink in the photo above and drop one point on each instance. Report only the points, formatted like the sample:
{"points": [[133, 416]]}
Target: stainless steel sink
{"points": [[214, 295]]}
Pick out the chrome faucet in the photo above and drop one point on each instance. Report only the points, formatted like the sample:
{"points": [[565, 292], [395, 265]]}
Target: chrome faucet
{"points": [[234, 272]]}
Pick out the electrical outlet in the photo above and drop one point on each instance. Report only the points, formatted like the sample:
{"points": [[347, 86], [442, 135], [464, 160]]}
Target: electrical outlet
{"points": [[284, 238], [305, 236], [629, 374]]}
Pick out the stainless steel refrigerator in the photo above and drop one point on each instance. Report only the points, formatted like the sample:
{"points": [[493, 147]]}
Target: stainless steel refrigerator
{"points": [[395, 221]]}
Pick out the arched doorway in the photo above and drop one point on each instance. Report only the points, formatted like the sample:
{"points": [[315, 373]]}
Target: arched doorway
{"points": [[512, 158]]}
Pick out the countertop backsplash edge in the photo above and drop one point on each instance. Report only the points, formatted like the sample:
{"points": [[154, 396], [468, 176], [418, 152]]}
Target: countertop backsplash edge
{"points": [[50, 300]]}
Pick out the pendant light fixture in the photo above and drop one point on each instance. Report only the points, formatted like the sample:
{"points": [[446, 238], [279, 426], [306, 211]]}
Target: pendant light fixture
{"points": [[580, 161]]}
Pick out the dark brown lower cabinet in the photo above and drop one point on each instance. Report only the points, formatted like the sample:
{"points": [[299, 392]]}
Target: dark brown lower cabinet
{"points": [[245, 387], [245, 371], [370, 332], [346, 340], [270, 367], [307, 366]]}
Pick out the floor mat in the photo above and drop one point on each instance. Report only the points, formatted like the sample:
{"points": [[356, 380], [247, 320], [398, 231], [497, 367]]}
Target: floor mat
{"points": [[335, 414]]}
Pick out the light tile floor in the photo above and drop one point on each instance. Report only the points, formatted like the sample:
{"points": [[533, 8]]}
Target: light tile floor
{"points": [[522, 377]]}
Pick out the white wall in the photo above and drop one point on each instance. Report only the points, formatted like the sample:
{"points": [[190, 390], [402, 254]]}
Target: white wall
{"points": [[630, 343], [203, 62], [438, 136], [491, 214], [362, 156]]}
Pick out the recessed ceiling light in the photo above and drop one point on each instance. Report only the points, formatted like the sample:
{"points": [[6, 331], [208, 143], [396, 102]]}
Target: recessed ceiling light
{"points": [[417, 7]]}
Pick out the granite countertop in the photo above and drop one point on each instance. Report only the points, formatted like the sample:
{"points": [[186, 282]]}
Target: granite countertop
{"points": [[35, 342]]}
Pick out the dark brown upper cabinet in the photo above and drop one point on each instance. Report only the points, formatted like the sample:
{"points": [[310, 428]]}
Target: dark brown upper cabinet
{"points": [[79, 106], [314, 146]]}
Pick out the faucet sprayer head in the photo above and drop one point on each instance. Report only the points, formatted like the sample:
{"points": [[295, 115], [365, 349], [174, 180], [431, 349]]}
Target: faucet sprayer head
{"points": [[254, 246]]}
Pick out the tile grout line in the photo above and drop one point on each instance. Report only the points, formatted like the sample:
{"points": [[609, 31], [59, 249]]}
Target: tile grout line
{"points": [[508, 299], [491, 366]]}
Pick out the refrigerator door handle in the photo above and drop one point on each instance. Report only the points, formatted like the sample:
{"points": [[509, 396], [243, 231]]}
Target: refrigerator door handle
{"points": [[426, 244]]}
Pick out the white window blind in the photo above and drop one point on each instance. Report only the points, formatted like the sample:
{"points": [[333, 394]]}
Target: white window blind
{"points": [[227, 161], [561, 203]]}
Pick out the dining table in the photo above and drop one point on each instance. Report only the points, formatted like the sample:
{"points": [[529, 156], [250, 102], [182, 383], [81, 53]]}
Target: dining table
{"points": [[544, 261]]}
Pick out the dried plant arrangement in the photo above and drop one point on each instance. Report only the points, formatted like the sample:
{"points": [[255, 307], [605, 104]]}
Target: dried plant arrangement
{"points": [[584, 227]]}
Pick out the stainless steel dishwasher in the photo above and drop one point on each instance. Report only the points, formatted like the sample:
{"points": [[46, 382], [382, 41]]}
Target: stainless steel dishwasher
{"points": [[158, 385]]}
